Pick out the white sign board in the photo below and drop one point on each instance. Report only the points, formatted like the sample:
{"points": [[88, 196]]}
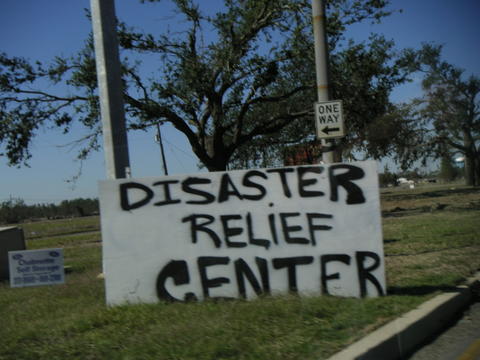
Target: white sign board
{"points": [[329, 119], [308, 229], [36, 267]]}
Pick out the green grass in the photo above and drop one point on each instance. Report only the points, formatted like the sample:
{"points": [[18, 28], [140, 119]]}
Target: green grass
{"points": [[40, 229], [269, 328], [431, 232], [427, 251]]}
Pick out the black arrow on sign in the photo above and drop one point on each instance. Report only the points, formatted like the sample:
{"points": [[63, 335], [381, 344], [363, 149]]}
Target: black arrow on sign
{"points": [[326, 129]]}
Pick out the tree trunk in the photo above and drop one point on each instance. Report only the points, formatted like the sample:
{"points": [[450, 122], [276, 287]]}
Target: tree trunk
{"points": [[217, 162], [477, 170], [215, 158], [470, 158], [469, 165]]}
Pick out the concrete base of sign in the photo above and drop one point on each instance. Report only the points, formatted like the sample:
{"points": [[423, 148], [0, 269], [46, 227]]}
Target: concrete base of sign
{"points": [[11, 239], [401, 337]]}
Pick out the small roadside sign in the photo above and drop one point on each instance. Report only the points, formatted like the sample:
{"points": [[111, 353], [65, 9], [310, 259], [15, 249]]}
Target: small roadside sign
{"points": [[329, 119], [36, 267]]}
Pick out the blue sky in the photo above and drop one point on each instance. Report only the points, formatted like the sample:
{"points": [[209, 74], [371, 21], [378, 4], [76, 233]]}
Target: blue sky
{"points": [[41, 29]]}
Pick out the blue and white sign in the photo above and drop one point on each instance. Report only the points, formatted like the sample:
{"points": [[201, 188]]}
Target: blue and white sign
{"points": [[36, 267]]}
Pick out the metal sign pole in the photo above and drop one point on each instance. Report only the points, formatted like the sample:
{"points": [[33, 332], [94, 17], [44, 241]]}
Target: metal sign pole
{"points": [[111, 89], [321, 65]]}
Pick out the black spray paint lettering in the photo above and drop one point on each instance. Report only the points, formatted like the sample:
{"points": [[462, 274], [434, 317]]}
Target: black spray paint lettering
{"points": [[253, 186], [248, 183], [304, 183], [325, 277], [243, 271], [282, 173], [205, 262], [364, 273], [291, 264], [237, 231], [187, 187], [179, 272], [345, 180]]}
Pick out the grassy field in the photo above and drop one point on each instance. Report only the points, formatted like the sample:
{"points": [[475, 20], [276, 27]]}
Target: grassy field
{"points": [[432, 242]]}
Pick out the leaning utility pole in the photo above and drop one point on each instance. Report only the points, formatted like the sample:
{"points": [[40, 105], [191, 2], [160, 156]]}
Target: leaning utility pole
{"points": [[111, 90], [158, 138], [321, 67]]}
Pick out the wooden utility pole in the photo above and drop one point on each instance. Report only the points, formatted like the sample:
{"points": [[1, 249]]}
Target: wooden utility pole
{"points": [[321, 67], [111, 90], [162, 151]]}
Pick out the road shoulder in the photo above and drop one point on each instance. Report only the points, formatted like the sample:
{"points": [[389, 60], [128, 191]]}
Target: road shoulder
{"points": [[403, 335]]}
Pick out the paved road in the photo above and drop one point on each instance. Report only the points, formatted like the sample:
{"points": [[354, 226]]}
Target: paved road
{"points": [[460, 342]]}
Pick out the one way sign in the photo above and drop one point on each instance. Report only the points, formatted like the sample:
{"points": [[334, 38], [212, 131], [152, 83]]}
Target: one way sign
{"points": [[329, 119]]}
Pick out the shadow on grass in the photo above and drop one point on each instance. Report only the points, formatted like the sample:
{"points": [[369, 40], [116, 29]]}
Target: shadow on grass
{"points": [[430, 251], [432, 194], [400, 212], [419, 290], [389, 241]]}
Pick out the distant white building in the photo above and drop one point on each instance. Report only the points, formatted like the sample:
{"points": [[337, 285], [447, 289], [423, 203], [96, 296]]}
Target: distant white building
{"points": [[405, 181]]}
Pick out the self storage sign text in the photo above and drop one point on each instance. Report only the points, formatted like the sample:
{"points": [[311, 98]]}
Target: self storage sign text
{"points": [[308, 230]]}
